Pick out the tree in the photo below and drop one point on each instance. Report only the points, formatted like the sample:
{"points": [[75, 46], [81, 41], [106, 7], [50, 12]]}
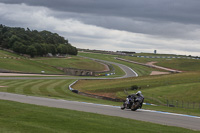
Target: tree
{"points": [[44, 48], [32, 51], [62, 49], [19, 40], [39, 49], [52, 49], [13, 39], [23, 49], [73, 50], [17, 47]]}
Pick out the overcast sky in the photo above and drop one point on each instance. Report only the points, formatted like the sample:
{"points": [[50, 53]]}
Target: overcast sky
{"points": [[168, 26]]}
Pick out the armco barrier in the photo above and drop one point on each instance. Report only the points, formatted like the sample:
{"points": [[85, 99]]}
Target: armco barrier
{"points": [[70, 86], [149, 104]]}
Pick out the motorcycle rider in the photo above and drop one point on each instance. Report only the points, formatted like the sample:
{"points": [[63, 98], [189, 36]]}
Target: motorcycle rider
{"points": [[138, 94]]}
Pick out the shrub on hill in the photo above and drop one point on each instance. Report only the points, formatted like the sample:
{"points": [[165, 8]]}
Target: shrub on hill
{"points": [[34, 43]]}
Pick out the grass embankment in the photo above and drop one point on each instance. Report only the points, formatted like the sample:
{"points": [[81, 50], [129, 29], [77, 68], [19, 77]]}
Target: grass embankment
{"points": [[27, 66], [72, 62], [181, 64], [17, 63], [173, 63], [80, 63], [140, 70], [23, 118], [165, 86], [156, 89], [55, 88], [8, 54]]}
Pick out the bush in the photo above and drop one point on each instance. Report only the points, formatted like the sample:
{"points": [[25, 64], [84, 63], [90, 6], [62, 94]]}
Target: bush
{"points": [[134, 87]]}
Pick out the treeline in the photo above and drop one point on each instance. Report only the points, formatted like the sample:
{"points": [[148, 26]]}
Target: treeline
{"points": [[33, 42]]}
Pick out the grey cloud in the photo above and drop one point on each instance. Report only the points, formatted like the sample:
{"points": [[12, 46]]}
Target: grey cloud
{"points": [[149, 26], [167, 18], [182, 11], [163, 19]]}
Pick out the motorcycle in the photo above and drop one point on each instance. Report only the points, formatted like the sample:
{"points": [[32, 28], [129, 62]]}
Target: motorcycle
{"points": [[134, 102]]}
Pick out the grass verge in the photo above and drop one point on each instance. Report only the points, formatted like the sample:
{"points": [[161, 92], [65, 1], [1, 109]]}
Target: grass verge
{"points": [[52, 88], [23, 118]]}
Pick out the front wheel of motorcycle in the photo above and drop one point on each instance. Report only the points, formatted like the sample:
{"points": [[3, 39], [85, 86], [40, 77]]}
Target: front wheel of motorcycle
{"points": [[135, 106]]}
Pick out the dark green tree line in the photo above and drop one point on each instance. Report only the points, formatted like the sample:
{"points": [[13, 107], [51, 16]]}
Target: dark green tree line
{"points": [[33, 42]]}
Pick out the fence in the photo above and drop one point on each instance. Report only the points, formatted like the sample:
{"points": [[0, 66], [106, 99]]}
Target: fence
{"points": [[174, 103], [182, 104]]}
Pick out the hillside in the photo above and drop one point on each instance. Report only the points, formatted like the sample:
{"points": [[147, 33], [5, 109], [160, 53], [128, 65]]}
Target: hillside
{"points": [[182, 64], [160, 89], [15, 63]]}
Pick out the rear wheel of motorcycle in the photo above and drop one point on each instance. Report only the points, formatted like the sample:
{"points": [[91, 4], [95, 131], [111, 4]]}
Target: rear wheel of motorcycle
{"points": [[135, 106]]}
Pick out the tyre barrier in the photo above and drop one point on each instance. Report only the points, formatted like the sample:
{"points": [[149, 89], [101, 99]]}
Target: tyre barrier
{"points": [[75, 91]]}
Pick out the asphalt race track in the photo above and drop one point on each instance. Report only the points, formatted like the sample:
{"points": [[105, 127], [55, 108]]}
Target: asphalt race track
{"points": [[185, 121]]}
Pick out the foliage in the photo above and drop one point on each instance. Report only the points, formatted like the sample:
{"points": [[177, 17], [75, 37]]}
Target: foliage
{"points": [[34, 43], [134, 87]]}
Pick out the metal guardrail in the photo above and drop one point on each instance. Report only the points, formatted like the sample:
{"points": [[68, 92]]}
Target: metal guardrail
{"points": [[169, 57]]}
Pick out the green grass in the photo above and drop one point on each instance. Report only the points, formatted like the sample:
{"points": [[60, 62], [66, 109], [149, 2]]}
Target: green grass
{"points": [[23, 118], [188, 92], [140, 70], [8, 54], [55, 88], [118, 73], [59, 89], [181, 64], [156, 89], [194, 112], [142, 60], [36, 65], [180, 95], [72, 62], [184, 86], [162, 87], [28, 66], [174, 63]]}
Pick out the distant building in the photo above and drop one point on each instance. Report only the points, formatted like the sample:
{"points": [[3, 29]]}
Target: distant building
{"points": [[49, 55], [155, 51], [126, 52]]}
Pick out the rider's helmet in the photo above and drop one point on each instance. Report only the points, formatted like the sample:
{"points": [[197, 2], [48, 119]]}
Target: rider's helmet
{"points": [[139, 93]]}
